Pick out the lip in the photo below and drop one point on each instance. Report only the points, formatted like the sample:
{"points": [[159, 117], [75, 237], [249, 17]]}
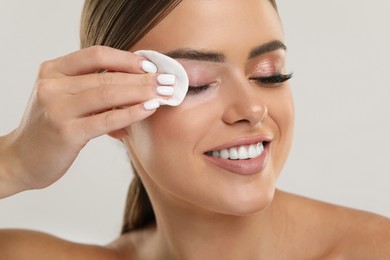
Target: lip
{"points": [[243, 167], [244, 141]]}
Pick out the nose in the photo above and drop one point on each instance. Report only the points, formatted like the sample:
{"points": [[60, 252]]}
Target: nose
{"points": [[244, 104]]}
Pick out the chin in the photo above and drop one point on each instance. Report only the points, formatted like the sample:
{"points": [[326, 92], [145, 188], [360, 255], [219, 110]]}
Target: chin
{"points": [[248, 204]]}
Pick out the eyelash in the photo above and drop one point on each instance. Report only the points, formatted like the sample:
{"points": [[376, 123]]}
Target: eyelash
{"points": [[270, 80], [195, 90]]}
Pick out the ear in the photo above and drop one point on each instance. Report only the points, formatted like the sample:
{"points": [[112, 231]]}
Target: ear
{"points": [[118, 134]]}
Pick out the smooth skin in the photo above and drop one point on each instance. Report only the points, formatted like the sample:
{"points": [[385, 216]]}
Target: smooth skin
{"points": [[70, 105], [203, 211]]}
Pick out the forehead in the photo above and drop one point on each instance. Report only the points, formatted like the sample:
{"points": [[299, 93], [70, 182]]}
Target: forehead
{"points": [[222, 25]]}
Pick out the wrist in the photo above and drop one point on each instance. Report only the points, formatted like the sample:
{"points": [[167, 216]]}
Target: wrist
{"points": [[10, 167]]}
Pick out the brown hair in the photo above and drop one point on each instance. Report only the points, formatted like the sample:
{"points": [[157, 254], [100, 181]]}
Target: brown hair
{"points": [[120, 24]]}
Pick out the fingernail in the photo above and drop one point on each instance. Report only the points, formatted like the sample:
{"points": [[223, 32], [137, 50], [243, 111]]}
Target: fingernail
{"points": [[165, 91], [151, 105], [148, 67], [166, 79]]}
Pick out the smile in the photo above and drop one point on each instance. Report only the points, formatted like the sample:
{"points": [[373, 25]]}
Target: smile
{"points": [[244, 156], [243, 152]]}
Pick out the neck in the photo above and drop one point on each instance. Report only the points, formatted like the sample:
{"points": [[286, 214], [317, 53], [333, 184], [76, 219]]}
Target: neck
{"points": [[189, 232]]}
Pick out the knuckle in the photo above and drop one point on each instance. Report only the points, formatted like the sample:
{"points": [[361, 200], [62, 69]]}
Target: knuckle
{"points": [[104, 93], [51, 116], [45, 68], [98, 52], [74, 133], [64, 130], [109, 119], [43, 89], [148, 80], [104, 79]]}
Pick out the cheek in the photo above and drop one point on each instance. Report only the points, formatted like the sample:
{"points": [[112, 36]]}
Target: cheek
{"points": [[282, 114], [167, 141], [177, 130], [166, 147]]}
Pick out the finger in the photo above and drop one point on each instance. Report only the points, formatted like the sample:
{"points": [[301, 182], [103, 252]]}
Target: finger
{"points": [[92, 59], [112, 120], [76, 84], [106, 97]]}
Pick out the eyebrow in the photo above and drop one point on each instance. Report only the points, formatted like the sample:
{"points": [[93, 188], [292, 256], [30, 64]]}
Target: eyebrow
{"points": [[204, 55], [267, 47]]}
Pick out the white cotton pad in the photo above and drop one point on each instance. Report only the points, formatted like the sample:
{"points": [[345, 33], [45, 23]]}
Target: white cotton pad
{"points": [[167, 65]]}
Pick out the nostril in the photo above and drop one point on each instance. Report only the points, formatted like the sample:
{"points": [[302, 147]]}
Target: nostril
{"points": [[243, 121], [250, 110]]}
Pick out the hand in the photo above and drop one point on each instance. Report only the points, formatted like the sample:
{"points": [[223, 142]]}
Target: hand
{"points": [[70, 105]]}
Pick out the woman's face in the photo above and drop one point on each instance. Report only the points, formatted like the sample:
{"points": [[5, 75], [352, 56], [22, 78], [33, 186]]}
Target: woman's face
{"points": [[231, 50]]}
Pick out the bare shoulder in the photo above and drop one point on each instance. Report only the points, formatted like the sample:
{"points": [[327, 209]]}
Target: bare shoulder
{"points": [[366, 235], [137, 244], [23, 244], [339, 231]]}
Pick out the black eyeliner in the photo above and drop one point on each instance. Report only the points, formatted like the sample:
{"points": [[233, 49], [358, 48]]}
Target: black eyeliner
{"points": [[193, 90], [274, 79]]}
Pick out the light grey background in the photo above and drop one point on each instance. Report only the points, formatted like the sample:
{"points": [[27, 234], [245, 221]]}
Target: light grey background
{"points": [[339, 53]]}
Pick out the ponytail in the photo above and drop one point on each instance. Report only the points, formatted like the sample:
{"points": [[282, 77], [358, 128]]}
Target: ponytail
{"points": [[120, 24], [139, 212]]}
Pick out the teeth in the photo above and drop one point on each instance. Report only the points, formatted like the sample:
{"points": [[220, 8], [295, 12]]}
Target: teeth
{"points": [[215, 154], [224, 154], [259, 148], [252, 151], [242, 152], [233, 153]]}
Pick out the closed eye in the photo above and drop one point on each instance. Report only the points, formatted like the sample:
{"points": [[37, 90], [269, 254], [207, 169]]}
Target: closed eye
{"points": [[272, 80], [193, 90], [265, 81]]}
